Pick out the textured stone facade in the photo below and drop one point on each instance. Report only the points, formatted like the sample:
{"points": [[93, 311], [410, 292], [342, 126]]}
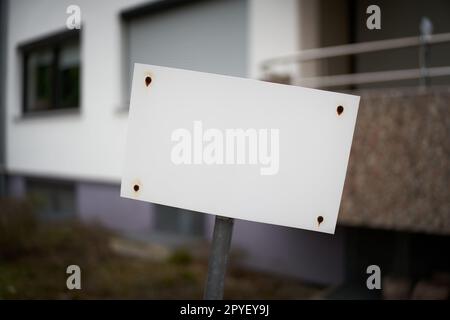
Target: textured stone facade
{"points": [[399, 170]]}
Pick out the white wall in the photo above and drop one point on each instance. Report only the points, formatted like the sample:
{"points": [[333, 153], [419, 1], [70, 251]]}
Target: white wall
{"points": [[86, 145], [89, 145], [274, 31]]}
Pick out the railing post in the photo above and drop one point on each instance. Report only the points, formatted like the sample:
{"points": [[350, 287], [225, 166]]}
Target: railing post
{"points": [[426, 29]]}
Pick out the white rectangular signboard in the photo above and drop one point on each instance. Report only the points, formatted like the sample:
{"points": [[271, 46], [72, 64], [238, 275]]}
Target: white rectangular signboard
{"points": [[238, 148]]}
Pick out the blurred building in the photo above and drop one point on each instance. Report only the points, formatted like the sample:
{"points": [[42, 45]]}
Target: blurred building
{"points": [[67, 95]]}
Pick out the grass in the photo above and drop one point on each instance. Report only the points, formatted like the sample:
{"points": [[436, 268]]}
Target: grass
{"points": [[34, 256]]}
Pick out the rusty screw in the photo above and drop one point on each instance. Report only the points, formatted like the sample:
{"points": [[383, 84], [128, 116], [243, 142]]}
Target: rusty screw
{"points": [[136, 187], [339, 110], [319, 219], [148, 80]]}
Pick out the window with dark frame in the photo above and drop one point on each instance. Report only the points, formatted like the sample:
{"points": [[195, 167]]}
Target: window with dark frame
{"points": [[51, 73]]}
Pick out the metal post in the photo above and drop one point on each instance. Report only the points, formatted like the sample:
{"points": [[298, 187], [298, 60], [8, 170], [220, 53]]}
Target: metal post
{"points": [[223, 229], [426, 29]]}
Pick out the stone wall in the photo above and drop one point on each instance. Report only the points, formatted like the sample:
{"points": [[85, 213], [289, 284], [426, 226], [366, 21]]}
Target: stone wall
{"points": [[399, 171]]}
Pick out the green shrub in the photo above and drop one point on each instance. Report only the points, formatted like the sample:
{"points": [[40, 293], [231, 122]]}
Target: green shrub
{"points": [[17, 226], [180, 257]]}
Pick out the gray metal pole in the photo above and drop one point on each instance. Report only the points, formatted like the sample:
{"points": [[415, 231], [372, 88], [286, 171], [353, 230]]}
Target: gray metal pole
{"points": [[223, 229]]}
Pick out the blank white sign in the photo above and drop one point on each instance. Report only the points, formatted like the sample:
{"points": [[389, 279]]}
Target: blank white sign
{"points": [[238, 148]]}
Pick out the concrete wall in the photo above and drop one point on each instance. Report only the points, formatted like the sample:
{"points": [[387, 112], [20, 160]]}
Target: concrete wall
{"points": [[100, 203], [16, 186], [3, 37]]}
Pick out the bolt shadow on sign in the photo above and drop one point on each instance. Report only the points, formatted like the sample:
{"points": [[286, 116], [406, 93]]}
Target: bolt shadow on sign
{"points": [[236, 147]]}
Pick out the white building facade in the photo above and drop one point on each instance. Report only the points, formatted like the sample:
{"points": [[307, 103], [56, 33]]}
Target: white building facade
{"points": [[67, 146]]}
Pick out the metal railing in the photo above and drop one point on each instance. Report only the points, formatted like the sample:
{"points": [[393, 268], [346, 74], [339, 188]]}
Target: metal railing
{"points": [[424, 41]]}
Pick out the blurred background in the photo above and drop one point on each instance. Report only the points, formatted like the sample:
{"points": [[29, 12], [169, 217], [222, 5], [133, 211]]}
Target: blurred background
{"points": [[64, 97]]}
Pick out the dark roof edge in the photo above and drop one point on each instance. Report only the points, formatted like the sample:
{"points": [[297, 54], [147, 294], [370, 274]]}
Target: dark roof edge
{"points": [[154, 7], [49, 38]]}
